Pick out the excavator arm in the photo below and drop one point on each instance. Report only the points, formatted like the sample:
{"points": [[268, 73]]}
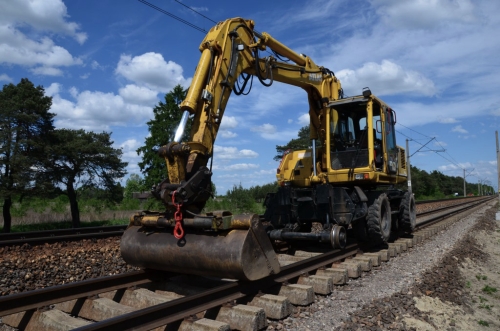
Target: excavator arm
{"points": [[231, 50]]}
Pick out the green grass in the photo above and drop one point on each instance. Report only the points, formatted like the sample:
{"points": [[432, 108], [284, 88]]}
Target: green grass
{"points": [[489, 290], [483, 323], [485, 306]]}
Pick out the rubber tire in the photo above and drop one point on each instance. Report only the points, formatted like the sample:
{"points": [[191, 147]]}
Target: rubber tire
{"points": [[407, 214], [379, 221]]}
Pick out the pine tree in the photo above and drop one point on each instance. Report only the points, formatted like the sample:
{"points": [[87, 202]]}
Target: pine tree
{"points": [[162, 128], [25, 121]]}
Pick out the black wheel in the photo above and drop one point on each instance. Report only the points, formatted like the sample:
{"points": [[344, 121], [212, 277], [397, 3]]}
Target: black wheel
{"points": [[378, 220], [407, 214], [339, 237]]}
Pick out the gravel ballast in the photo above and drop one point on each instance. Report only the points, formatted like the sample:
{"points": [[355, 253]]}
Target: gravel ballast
{"points": [[426, 288], [387, 298]]}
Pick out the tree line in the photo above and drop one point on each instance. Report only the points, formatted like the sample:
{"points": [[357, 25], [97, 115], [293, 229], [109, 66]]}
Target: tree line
{"points": [[38, 160]]}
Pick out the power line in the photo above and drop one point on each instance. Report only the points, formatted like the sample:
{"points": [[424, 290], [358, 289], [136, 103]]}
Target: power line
{"points": [[414, 131], [452, 161], [173, 16], [211, 20]]}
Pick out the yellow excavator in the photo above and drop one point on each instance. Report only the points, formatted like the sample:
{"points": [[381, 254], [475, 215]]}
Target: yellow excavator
{"points": [[345, 181]]}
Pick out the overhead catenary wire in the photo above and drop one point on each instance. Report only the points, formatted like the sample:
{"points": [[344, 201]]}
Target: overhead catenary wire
{"points": [[452, 161], [190, 8], [173, 16]]}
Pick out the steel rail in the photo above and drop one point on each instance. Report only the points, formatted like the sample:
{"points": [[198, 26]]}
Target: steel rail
{"points": [[172, 311], [419, 202], [60, 232], [456, 210], [24, 301], [50, 236]]}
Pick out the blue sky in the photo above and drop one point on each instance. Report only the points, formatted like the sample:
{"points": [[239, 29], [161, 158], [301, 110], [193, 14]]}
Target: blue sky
{"points": [[108, 63]]}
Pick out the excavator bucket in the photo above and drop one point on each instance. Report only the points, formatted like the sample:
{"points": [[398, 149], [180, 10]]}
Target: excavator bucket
{"points": [[244, 254]]}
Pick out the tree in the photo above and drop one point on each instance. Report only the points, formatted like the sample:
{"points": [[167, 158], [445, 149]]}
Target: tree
{"points": [[25, 121], [133, 184], [167, 116], [240, 198], [76, 158], [302, 142]]}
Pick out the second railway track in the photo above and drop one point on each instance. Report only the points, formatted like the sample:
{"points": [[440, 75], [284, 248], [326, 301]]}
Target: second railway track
{"points": [[302, 276]]}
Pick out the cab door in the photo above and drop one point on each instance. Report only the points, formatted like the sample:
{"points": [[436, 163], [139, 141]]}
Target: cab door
{"points": [[390, 140]]}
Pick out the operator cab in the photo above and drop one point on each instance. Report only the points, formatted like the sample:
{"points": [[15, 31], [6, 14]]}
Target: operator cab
{"points": [[359, 129]]}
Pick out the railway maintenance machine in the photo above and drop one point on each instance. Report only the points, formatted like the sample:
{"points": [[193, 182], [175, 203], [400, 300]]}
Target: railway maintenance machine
{"points": [[346, 179]]}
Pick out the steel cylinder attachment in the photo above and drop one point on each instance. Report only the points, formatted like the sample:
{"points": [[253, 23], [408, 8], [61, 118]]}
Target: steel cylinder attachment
{"points": [[335, 236], [242, 252]]}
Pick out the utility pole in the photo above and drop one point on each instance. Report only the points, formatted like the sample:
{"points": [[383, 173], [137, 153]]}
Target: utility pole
{"points": [[408, 166], [464, 184], [498, 167], [464, 180]]}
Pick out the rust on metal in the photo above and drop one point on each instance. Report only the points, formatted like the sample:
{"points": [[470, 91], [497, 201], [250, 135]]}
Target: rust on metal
{"points": [[237, 253]]}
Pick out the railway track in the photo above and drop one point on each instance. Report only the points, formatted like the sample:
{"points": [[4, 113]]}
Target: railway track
{"points": [[61, 235], [148, 300]]}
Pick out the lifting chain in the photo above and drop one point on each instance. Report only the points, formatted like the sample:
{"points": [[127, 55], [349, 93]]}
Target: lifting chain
{"points": [[178, 230]]}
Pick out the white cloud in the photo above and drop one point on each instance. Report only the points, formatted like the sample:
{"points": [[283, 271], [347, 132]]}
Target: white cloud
{"points": [[270, 132], [18, 49], [95, 65], [47, 71], [152, 71], [265, 128], [424, 14], [6, 78], [387, 78], [440, 144], [96, 110], [37, 50], [49, 15], [53, 89], [239, 166], [129, 148], [459, 129], [74, 92], [228, 123], [138, 95], [228, 134], [228, 153], [447, 120], [304, 119]]}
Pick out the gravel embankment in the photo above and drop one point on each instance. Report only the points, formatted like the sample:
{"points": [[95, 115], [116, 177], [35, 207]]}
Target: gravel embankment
{"points": [[385, 298], [28, 268]]}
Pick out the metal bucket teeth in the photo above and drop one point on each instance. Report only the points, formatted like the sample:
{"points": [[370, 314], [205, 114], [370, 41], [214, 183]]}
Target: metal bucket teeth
{"points": [[237, 254]]}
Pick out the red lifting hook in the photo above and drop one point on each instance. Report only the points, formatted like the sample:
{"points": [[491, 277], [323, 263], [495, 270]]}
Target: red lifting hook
{"points": [[178, 230]]}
